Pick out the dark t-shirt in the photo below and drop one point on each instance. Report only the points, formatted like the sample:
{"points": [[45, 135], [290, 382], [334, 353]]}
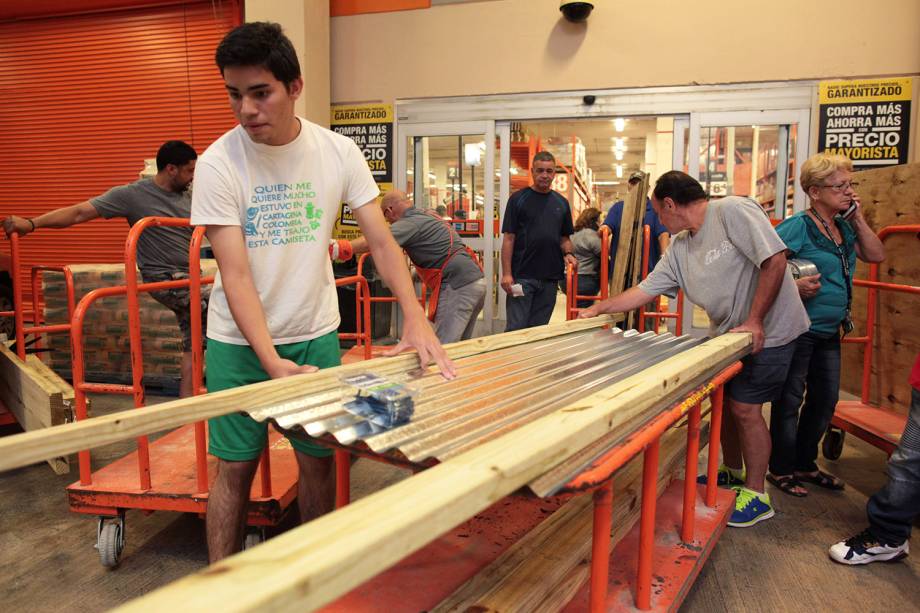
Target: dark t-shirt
{"points": [[615, 218], [427, 240], [538, 222], [159, 250]]}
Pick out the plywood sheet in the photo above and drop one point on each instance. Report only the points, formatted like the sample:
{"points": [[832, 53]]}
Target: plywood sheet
{"points": [[890, 196]]}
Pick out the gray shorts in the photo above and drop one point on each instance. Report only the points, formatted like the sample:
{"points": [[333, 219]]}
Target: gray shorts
{"points": [[178, 301], [762, 375]]}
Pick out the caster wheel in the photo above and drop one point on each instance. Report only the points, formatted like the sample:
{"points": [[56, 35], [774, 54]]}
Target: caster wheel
{"points": [[110, 540], [832, 445], [254, 536]]}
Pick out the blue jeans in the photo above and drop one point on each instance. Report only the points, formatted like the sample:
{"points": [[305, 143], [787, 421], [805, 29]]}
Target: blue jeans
{"points": [[795, 435], [534, 308], [892, 509]]}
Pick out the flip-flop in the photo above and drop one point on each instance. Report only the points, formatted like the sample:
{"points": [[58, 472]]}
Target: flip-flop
{"points": [[822, 479], [786, 483]]}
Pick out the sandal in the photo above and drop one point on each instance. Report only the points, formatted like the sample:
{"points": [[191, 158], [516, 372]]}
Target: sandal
{"points": [[822, 479], [788, 484]]}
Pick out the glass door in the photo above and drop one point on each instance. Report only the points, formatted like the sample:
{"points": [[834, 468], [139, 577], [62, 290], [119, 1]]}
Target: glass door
{"points": [[450, 169], [746, 153]]}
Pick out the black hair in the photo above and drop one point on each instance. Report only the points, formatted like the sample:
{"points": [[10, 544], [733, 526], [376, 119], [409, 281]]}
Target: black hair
{"points": [[175, 152], [260, 43], [679, 187], [543, 156]]}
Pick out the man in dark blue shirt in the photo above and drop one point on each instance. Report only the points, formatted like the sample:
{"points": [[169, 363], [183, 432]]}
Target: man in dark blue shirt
{"points": [[659, 234], [535, 247]]}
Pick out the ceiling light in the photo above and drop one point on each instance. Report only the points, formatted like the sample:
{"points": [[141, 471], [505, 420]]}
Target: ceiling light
{"points": [[619, 123], [618, 153], [410, 172], [619, 169], [619, 143]]}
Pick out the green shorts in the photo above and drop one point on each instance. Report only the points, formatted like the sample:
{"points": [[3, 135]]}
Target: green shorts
{"points": [[238, 437]]}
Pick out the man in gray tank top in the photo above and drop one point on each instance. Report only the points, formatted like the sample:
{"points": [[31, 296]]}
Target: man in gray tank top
{"points": [[441, 259], [727, 259], [162, 253]]}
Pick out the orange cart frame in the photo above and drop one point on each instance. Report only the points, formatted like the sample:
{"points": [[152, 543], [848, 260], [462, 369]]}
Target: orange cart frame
{"points": [[877, 426], [650, 549], [113, 490]]}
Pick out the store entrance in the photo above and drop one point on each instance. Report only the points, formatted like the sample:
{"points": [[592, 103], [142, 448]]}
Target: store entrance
{"points": [[466, 170]]}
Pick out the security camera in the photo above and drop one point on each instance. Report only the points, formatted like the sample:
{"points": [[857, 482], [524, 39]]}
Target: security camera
{"points": [[576, 11], [589, 99]]}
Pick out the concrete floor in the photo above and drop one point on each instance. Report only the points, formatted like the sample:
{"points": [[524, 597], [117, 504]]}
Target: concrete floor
{"points": [[780, 565]]}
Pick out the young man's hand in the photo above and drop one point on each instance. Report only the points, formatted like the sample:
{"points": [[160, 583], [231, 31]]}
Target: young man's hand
{"points": [[419, 336], [281, 368]]}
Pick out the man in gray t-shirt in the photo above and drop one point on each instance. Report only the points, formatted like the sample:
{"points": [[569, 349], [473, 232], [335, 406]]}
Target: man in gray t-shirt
{"points": [[441, 260], [727, 258], [162, 253]]}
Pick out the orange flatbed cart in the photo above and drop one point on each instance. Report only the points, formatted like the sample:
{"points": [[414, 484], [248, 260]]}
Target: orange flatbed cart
{"points": [[877, 426]]}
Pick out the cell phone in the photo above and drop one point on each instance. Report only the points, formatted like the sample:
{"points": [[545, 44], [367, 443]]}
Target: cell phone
{"points": [[850, 211]]}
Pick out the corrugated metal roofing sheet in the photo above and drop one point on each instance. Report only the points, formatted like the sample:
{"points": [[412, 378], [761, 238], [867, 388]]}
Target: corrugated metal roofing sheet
{"points": [[495, 392]]}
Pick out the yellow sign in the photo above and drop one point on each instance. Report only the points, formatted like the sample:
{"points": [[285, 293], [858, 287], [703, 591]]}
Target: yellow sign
{"points": [[346, 225], [867, 121], [870, 90], [343, 115]]}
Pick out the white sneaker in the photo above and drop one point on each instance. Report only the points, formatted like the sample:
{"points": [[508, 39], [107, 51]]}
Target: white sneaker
{"points": [[864, 548]]}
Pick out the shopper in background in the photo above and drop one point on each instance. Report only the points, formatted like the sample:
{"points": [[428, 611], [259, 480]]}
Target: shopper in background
{"points": [[535, 247], [893, 509], [659, 234], [442, 260], [822, 236], [587, 246], [731, 263], [269, 192], [162, 253]]}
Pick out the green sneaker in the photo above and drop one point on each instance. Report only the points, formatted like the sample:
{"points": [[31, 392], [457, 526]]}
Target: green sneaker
{"points": [[725, 478], [750, 508]]}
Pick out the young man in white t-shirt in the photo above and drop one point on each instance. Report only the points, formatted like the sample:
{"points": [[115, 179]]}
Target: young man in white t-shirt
{"points": [[269, 191]]}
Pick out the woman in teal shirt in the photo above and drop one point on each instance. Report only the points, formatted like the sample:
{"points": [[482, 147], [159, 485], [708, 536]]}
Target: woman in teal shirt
{"points": [[822, 236]]}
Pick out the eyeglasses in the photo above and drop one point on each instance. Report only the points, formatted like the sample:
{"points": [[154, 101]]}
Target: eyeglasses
{"points": [[842, 187], [544, 171]]}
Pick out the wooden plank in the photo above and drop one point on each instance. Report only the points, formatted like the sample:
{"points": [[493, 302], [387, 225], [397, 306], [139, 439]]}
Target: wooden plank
{"points": [[634, 272], [625, 247], [313, 564], [890, 196], [544, 569], [31, 392], [23, 449]]}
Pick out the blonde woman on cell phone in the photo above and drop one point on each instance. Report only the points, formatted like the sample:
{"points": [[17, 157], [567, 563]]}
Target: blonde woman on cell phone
{"points": [[830, 234]]}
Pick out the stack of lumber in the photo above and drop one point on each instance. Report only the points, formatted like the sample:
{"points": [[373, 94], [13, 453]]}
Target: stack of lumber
{"points": [[314, 564], [36, 396], [543, 570], [106, 345]]}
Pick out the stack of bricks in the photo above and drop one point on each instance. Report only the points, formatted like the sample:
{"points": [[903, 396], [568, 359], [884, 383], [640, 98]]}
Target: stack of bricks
{"points": [[105, 331]]}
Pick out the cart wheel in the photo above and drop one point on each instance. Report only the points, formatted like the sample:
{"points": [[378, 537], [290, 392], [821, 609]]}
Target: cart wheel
{"points": [[254, 536], [832, 445], [110, 540]]}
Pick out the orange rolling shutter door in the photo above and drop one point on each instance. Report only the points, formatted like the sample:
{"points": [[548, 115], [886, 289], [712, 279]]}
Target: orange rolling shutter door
{"points": [[87, 98]]}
